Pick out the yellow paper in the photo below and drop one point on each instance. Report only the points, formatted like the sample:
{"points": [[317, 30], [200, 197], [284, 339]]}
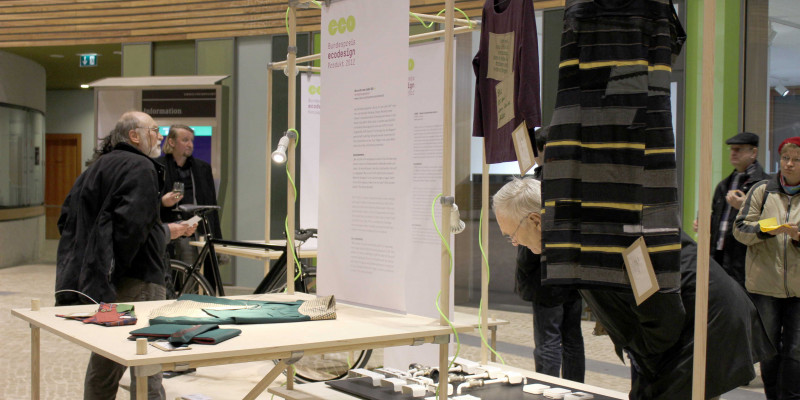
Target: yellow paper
{"points": [[770, 224]]}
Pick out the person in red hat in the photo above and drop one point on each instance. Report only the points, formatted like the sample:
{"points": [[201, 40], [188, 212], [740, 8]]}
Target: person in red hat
{"points": [[773, 267]]}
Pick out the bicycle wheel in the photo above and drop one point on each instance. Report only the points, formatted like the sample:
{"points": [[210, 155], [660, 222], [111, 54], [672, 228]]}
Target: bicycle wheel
{"points": [[197, 284], [329, 366]]}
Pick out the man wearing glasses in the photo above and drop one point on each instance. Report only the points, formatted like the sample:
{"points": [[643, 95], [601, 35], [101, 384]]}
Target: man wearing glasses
{"points": [[113, 242], [557, 336], [728, 198]]}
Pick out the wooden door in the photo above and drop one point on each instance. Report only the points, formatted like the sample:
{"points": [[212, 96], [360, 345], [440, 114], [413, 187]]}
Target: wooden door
{"points": [[62, 167]]}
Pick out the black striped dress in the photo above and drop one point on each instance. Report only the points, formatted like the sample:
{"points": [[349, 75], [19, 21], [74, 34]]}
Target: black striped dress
{"points": [[610, 175]]}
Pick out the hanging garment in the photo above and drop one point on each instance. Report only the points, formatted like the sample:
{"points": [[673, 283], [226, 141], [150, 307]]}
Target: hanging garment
{"points": [[507, 77], [610, 175], [192, 309]]}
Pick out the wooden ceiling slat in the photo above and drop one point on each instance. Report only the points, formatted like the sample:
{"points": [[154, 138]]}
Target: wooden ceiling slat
{"points": [[102, 27], [161, 12], [73, 22], [160, 17], [38, 7]]}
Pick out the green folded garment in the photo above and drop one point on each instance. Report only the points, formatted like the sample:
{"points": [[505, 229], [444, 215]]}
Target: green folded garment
{"points": [[185, 334]]}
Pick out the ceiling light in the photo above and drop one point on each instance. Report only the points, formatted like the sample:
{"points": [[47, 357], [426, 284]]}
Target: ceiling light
{"points": [[57, 55], [84, 86], [782, 90], [119, 53]]}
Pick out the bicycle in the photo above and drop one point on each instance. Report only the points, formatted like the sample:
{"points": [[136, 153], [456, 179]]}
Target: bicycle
{"points": [[187, 278]]}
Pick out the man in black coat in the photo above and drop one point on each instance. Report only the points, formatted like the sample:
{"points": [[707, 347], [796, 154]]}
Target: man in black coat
{"points": [[113, 242], [728, 198], [198, 188], [736, 336]]}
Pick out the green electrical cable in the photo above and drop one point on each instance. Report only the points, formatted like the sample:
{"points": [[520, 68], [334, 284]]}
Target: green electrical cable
{"points": [[438, 296], [488, 275], [289, 241]]}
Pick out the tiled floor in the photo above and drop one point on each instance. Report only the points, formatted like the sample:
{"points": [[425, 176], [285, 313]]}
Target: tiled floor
{"points": [[63, 363]]}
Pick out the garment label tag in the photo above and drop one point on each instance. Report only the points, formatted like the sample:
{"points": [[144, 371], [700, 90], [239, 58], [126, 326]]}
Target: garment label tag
{"points": [[523, 147], [640, 270], [192, 221], [504, 94], [501, 56], [164, 345]]}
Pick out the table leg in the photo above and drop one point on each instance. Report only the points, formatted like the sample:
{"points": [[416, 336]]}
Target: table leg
{"points": [[141, 387], [262, 385], [35, 355], [494, 341], [142, 373]]}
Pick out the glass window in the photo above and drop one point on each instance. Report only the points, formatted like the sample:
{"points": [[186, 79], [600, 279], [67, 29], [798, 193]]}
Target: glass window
{"points": [[771, 101], [21, 157]]}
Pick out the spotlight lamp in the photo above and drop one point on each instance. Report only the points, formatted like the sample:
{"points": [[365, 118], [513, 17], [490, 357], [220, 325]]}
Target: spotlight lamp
{"points": [[782, 90], [279, 155]]}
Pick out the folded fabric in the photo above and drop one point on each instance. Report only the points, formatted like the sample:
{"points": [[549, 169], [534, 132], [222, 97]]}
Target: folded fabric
{"points": [[178, 334], [192, 309], [106, 315]]}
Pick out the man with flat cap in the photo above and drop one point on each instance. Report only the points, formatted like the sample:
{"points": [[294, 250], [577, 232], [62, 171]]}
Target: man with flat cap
{"points": [[728, 199]]}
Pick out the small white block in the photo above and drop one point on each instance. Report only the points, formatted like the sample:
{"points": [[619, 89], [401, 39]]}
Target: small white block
{"points": [[394, 383], [556, 393], [514, 378], [535, 388], [361, 372], [467, 366], [414, 390]]}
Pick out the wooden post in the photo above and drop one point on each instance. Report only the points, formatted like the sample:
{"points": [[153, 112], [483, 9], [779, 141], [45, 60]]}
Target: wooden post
{"points": [[36, 335], [268, 185], [447, 175], [141, 346], [485, 210], [704, 219], [291, 68]]}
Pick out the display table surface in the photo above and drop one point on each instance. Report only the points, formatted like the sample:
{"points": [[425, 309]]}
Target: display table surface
{"points": [[258, 254], [321, 391], [355, 328]]}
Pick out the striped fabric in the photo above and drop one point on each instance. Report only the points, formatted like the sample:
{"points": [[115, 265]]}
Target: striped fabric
{"points": [[610, 175]]}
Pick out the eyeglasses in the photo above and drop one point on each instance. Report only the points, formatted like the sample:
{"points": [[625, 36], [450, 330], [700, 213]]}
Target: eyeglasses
{"points": [[785, 159], [512, 239], [151, 128]]}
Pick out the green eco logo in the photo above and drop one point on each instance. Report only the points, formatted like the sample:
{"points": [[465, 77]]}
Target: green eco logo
{"points": [[410, 64], [312, 90], [342, 25]]}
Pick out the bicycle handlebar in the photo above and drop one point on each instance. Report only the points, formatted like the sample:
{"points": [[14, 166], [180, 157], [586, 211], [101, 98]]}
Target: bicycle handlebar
{"points": [[195, 209]]}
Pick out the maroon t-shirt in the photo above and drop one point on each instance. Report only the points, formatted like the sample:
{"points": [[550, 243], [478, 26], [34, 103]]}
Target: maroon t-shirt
{"points": [[507, 72]]}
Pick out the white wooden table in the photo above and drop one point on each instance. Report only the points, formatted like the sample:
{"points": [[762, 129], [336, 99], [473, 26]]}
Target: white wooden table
{"points": [[355, 328], [257, 254]]}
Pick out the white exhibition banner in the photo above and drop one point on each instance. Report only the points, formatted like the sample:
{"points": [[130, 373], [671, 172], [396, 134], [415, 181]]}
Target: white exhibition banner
{"points": [[365, 196], [426, 126], [309, 159]]}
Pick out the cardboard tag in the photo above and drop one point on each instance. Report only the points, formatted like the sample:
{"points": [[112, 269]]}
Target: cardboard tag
{"points": [[191, 221], [501, 55], [640, 270], [164, 345], [504, 95], [524, 148]]}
